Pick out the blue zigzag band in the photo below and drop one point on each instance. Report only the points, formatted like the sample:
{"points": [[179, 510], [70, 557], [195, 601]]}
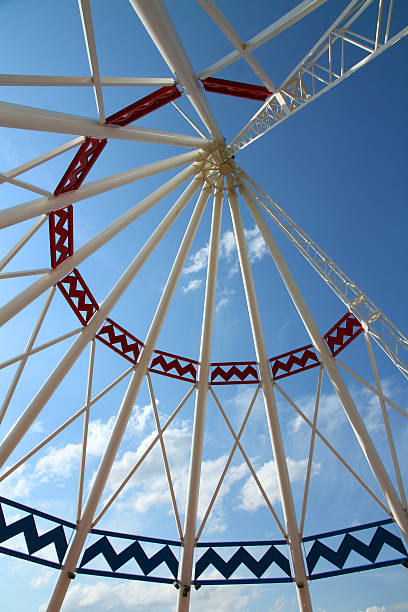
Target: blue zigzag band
{"points": [[350, 543], [242, 556], [134, 551]]}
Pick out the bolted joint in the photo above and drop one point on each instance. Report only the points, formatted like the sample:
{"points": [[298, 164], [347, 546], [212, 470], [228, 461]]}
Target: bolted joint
{"points": [[186, 589], [71, 575]]}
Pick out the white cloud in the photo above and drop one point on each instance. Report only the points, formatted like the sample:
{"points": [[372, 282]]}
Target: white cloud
{"points": [[251, 498], [198, 261], [59, 463], [193, 285], [402, 606], [37, 427], [223, 298], [149, 488], [16, 485], [40, 581], [141, 416], [139, 596], [257, 248]]}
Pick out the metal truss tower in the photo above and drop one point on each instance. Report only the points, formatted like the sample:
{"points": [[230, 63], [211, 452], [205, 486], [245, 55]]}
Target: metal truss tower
{"points": [[212, 176]]}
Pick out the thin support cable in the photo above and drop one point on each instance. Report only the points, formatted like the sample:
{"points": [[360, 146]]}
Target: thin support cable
{"points": [[65, 425], [89, 35], [227, 464], [85, 429], [333, 450], [373, 389], [40, 348], [311, 449], [139, 462], [23, 241], [27, 352], [386, 420], [165, 459], [250, 466]]}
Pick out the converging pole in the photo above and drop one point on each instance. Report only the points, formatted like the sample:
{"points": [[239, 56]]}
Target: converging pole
{"points": [[125, 411], [400, 515], [189, 541], [294, 540]]}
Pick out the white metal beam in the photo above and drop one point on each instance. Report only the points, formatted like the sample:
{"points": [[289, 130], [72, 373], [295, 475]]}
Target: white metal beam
{"points": [[328, 362], [89, 35], [300, 11], [125, 411], [29, 294], [39, 80], [28, 210], [22, 425], [190, 523], [306, 83], [41, 120], [158, 24], [225, 26], [294, 541]]}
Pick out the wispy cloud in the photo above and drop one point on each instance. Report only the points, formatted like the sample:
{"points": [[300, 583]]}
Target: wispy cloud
{"points": [[257, 249], [224, 297], [193, 285]]}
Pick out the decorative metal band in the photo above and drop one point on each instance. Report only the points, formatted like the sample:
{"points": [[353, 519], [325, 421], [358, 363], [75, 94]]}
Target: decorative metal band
{"points": [[84, 305], [241, 567], [234, 88]]}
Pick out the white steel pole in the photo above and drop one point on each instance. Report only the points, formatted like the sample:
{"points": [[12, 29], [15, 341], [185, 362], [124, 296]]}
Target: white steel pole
{"points": [[156, 20], [20, 301], [400, 515], [22, 242], [22, 212], [125, 411], [294, 540], [189, 540], [42, 120], [27, 418]]}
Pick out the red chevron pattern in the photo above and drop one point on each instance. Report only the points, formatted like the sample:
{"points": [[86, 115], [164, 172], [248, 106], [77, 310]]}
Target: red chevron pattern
{"points": [[339, 336], [120, 340], [239, 373], [83, 161], [293, 363], [146, 105], [78, 295], [60, 223], [186, 371]]}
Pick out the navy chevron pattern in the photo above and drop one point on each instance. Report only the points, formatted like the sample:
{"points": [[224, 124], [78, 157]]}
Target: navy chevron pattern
{"points": [[242, 556], [34, 542], [134, 551], [350, 543]]}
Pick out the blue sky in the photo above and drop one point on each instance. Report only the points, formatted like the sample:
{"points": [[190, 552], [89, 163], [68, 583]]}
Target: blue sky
{"points": [[338, 167]]}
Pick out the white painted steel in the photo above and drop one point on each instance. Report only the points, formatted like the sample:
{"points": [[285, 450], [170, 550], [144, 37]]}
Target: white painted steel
{"points": [[89, 35], [29, 294], [386, 420], [392, 341], [80, 81], [28, 210], [222, 22], [356, 422], [13, 437], [105, 466], [293, 16], [294, 541], [85, 430], [272, 111], [27, 351], [189, 120], [41, 159], [21, 273], [157, 22], [22, 242], [189, 542], [42, 120], [24, 185]]}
